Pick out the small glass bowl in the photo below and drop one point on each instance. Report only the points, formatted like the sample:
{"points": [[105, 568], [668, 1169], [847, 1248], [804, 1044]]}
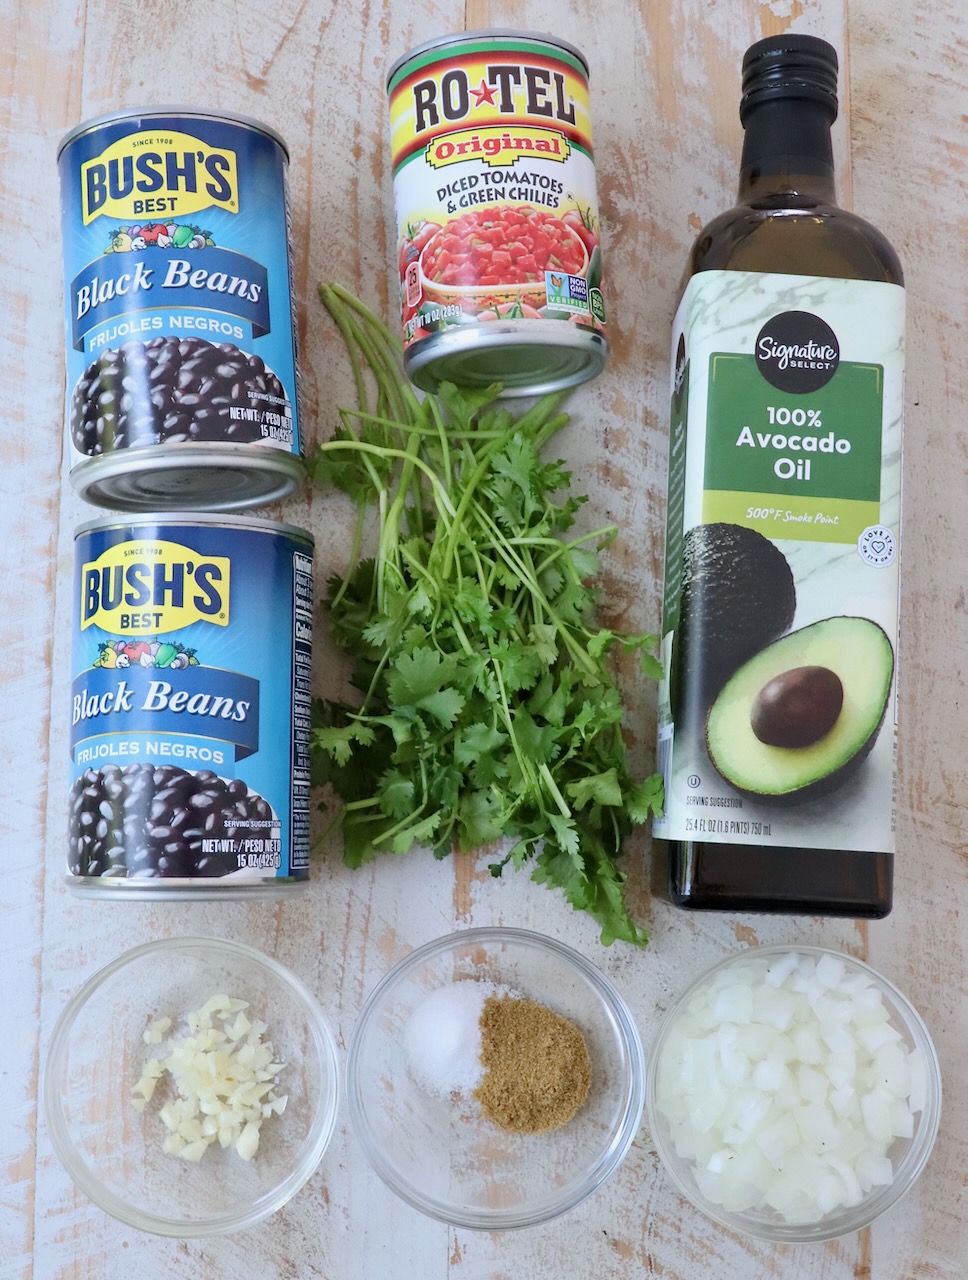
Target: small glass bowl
{"points": [[441, 1154], [908, 1155], [96, 1055]]}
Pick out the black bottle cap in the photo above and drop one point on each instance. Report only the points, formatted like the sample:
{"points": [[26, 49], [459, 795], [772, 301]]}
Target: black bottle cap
{"points": [[790, 66]]}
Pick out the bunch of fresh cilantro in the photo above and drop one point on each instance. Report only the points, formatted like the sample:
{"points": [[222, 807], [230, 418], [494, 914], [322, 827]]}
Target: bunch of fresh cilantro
{"points": [[484, 710]]}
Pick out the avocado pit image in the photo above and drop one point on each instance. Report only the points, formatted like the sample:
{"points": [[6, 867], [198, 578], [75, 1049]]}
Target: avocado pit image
{"points": [[737, 596], [797, 708], [797, 719]]}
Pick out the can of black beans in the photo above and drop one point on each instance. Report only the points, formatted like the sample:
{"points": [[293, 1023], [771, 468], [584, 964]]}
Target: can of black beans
{"points": [[182, 377], [190, 707]]}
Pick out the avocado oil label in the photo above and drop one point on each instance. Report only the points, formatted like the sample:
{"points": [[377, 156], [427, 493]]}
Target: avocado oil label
{"points": [[780, 608]]}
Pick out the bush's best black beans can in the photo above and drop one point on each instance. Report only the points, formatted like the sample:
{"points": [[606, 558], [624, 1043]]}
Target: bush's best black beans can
{"points": [[497, 210], [190, 707], [182, 378]]}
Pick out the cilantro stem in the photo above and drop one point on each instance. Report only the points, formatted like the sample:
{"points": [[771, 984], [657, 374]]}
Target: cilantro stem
{"points": [[407, 821], [461, 634], [558, 548], [523, 762], [355, 550], [506, 552], [467, 497], [385, 451], [379, 346], [552, 786], [342, 323], [438, 422], [365, 461]]}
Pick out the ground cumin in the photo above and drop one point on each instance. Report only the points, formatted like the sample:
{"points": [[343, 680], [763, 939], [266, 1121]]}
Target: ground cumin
{"points": [[536, 1066]]}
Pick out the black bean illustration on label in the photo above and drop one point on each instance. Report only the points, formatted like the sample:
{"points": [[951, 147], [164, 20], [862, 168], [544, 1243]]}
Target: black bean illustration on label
{"points": [[171, 390], [149, 822]]}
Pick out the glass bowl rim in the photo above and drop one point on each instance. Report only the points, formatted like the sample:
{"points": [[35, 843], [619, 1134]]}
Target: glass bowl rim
{"points": [[845, 1220], [321, 1128], [549, 1206]]}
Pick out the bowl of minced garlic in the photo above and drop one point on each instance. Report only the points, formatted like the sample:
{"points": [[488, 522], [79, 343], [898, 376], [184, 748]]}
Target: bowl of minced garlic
{"points": [[495, 1078]]}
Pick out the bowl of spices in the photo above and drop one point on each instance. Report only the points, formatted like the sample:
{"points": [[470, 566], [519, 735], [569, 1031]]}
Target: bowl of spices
{"points": [[495, 1078], [191, 1086], [794, 1093]]}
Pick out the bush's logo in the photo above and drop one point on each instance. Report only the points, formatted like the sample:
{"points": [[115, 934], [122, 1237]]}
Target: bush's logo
{"points": [[160, 172], [149, 586], [796, 351]]}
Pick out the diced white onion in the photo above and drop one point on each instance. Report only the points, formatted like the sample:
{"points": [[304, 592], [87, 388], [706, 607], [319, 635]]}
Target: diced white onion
{"points": [[224, 1076], [786, 1084]]}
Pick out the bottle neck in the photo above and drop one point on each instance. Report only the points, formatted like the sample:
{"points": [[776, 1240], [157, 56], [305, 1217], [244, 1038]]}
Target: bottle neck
{"points": [[787, 153]]}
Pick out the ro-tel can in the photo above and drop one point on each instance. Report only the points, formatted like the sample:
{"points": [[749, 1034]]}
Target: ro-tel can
{"points": [[190, 707], [181, 362], [497, 208]]}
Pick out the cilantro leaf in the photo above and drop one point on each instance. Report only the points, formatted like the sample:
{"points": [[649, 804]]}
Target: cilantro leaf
{"points": [[598, 788], [417, 675], [396, 794], [645, 799], [445, 706]]}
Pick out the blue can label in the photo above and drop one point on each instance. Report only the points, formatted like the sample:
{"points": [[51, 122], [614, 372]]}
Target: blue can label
{"points": [[179, 312], [190, 703]]}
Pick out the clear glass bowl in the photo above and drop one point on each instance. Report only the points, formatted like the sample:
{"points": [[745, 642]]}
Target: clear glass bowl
{"points": [[439, 1153], [96, 1055], [908, 1155]]}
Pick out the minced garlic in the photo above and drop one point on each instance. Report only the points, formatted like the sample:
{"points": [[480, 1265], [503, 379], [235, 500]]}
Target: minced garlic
{"points": [[224, 1075]]}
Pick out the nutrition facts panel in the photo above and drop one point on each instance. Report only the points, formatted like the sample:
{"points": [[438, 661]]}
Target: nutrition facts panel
{"points": [[302, 658]]}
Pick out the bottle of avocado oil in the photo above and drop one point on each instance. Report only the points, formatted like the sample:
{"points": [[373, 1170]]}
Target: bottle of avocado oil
{"points": [[780, 606]]}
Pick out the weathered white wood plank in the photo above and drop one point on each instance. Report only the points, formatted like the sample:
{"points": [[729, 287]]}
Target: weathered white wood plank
{"points": [[37, 94], [664, 98], [910, 162]]}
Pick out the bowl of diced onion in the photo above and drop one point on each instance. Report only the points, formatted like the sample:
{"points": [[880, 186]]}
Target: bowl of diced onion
{"points": [[794, 1093], [191, 1086]]}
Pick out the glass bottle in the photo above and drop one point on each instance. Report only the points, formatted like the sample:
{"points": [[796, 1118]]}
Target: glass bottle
{"points": [[784, 233]]}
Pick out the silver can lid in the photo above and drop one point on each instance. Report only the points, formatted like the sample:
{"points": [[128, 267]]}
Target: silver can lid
{"points": [[178, 477], [494, 33], [146, 114], [146, 520], [528, 357]]}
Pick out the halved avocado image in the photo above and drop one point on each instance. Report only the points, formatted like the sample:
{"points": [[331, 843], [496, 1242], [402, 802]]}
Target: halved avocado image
{"points": [[737, 596], [797, 719]]}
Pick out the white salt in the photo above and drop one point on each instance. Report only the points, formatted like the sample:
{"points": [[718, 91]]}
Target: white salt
{"points": [[443, 1036]]}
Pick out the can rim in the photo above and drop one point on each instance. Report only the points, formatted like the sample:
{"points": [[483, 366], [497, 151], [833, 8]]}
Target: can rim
{"points": [[164, 109], [493, 33], [187, 518], [110, 479], [545, 335]]}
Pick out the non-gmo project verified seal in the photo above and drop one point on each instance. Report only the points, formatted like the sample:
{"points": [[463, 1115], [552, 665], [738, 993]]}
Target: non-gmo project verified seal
{"points": [[568, 292]]}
